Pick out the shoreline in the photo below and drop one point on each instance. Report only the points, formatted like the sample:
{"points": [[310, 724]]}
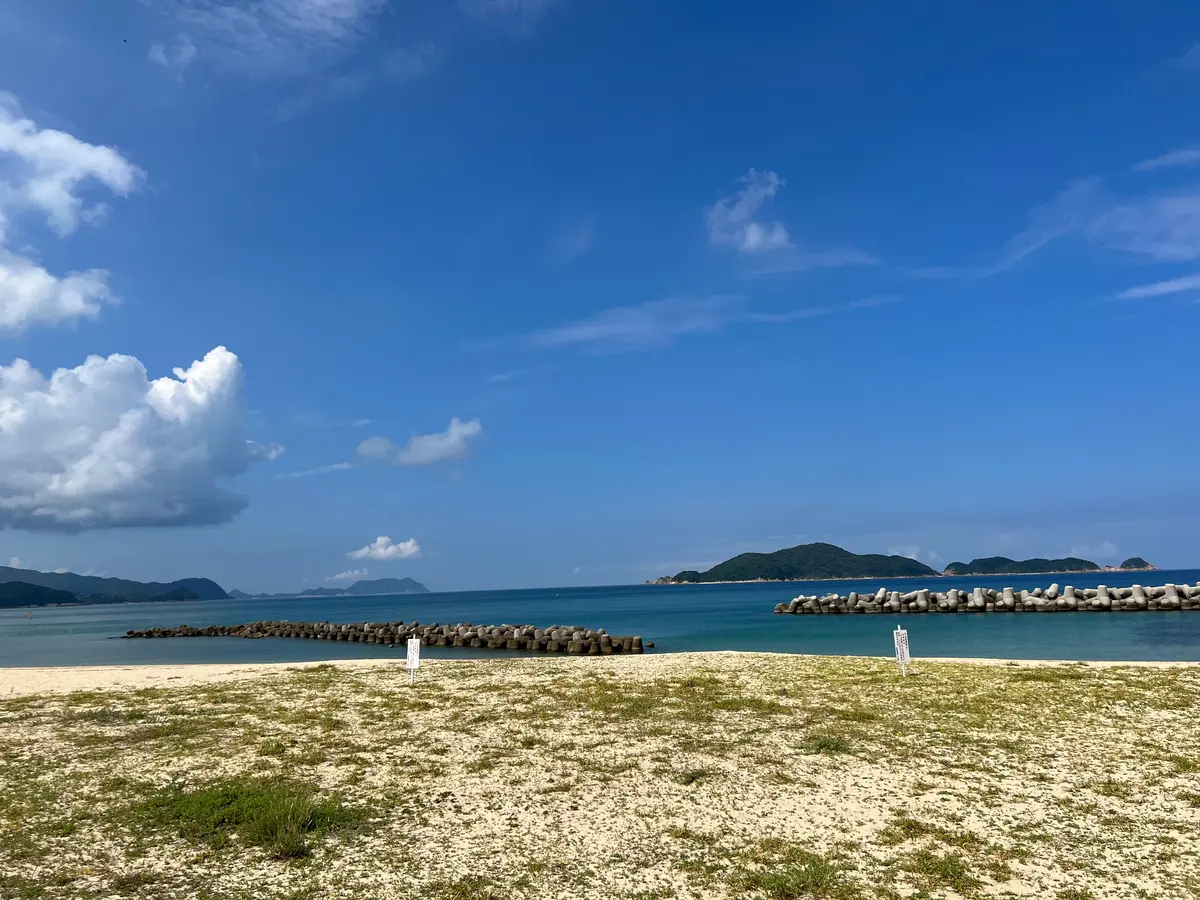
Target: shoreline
{"points": [[22, 681]]}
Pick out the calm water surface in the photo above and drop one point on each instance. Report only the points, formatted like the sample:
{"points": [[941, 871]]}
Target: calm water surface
{"points": [[700, 617]]}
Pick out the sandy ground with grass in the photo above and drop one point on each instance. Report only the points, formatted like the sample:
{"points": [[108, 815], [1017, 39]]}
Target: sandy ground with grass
{"points": [[715, 775]]}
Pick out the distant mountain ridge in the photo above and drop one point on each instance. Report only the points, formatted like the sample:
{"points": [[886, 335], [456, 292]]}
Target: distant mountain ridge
{"points": [[806, 562], [95, 586], [359, 588]]}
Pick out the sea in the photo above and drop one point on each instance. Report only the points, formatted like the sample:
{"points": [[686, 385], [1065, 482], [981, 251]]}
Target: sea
{"points": [[675, 617]]}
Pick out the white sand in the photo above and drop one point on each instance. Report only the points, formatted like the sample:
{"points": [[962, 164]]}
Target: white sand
{"points": [[19, 681]]}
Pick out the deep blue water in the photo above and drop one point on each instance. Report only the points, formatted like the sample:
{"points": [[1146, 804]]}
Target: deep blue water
{"points": [[700, 617]]}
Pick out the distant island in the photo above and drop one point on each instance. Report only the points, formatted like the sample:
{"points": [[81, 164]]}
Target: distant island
{"points": [[1002, 565], [827, 562], [359, 588], [807, 562], [29, 587], [95, 586]]}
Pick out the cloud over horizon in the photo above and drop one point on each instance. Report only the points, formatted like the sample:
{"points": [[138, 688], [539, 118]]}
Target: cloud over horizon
{"points": [[382, 548]]}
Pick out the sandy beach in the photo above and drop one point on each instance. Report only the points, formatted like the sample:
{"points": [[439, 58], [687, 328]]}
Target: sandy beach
{"points": [[706, 775], [21, 681]]}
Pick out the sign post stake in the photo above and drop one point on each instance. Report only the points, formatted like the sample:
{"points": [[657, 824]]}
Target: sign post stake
{"points": [[900, 638], [414, 658]]}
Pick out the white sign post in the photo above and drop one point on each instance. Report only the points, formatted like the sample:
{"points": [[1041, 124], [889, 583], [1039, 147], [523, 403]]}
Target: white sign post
{"points": [[900, 636], [414, 658]]}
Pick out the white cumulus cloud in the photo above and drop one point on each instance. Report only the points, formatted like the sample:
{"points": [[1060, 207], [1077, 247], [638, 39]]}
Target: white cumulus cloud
{"points": [[102, 446], [348, 575], [382, 548], [30, 295], [16, 563], [49, 166], [423, 449], [43, 172]]}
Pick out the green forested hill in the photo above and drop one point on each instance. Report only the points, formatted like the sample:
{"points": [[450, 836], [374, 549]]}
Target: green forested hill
{"points": [[1002, 565], [18, 593], [94, 585], [807, 562]]}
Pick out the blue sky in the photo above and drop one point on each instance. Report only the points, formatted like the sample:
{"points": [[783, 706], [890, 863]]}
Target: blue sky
{"points": [[556, 292]]}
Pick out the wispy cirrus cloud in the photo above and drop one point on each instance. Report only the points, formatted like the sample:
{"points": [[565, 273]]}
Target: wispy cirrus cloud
{"points": [[423, 449], [503, 377], [1186, 156], [1190, 59], [278, 37], [348, 575], [177, 55], [1161, 226], [572, 241], [1162, 288], [319, 470], [514, 18], [736, 221], [659, 323]]}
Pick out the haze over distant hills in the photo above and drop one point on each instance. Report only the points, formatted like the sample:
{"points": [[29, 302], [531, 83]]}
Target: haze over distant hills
{"points": [[359, 588], [29, 587]]}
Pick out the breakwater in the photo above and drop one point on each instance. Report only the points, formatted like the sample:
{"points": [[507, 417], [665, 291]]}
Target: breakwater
{"points": [[554, 639], [1051, 599]]}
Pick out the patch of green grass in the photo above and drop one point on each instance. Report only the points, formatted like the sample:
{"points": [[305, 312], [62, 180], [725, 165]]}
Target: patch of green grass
{"points": [[278, 816], [133, 882], [272, 748], [941, 870], [1191, 798], [1184, 765], [793, 873], [1075, 893], [828, 742], [905, 828], [682, 833], [1050, 674], [694, 776], [105, 715], [1110, 787]]}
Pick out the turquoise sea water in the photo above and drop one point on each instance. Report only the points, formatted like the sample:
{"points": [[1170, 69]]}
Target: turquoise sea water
{"points": [[700, 617]]}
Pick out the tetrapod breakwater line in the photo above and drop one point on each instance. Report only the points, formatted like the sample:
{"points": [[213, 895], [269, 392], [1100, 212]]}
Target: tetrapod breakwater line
{"points": [[554, 639], [986, 600]]}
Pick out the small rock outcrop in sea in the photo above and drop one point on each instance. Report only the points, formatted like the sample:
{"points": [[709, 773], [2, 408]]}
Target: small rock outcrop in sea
{"points": [[1051, 599], [555, 639]]}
